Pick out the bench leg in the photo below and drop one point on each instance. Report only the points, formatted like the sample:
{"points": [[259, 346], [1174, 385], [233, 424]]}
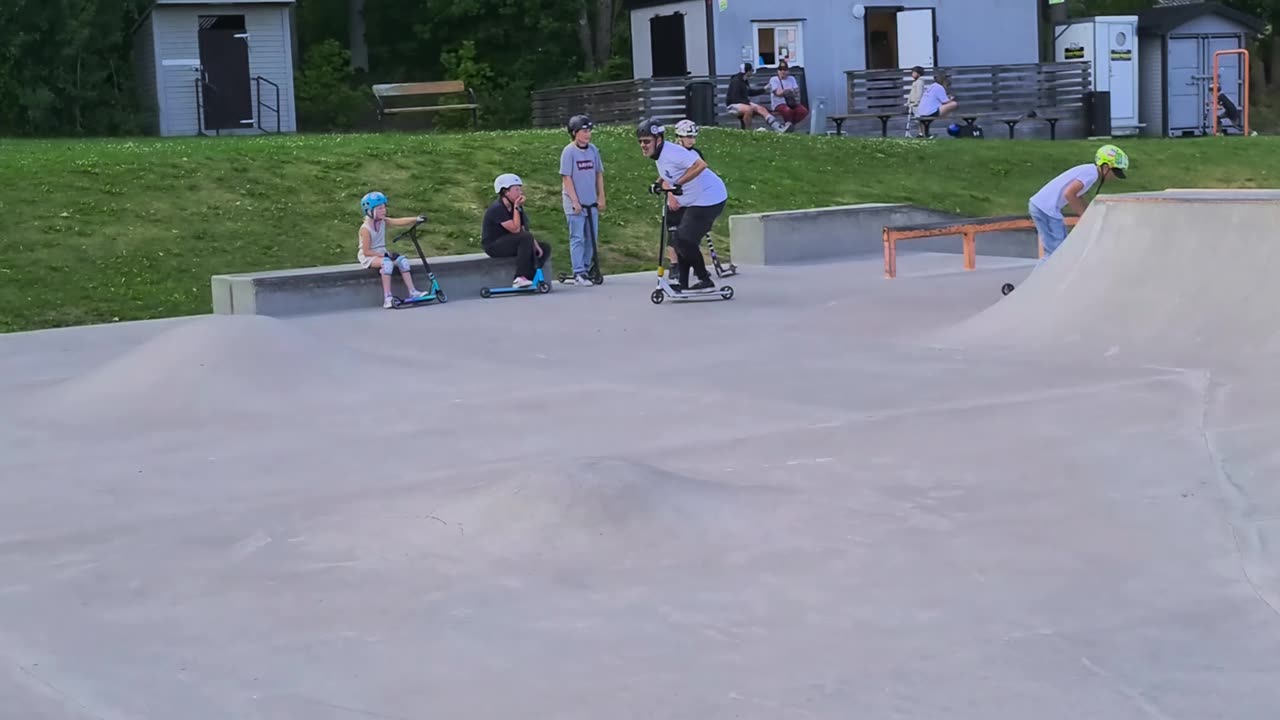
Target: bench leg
{"points": [[839, 125], [970, 251], [1053, 128], [926, 122], [1011, 123], [884, 126]]}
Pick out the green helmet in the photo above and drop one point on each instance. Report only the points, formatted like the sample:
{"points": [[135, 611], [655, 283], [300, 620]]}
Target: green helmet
{"points": [[1113, 156]]}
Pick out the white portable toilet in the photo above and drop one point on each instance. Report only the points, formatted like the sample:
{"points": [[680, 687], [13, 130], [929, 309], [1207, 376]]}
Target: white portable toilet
{"points": [[1110, 44]]}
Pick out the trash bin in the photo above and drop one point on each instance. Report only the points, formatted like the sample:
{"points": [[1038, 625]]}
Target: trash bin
{"points": [[700, 102], [1097, 105]]}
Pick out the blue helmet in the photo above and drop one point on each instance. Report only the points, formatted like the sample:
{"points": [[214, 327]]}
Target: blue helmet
{"points": [[371, 201]]}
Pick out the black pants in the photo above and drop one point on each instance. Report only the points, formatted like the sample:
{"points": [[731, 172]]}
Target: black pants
{"points": [[695, 223], [519, 246]]}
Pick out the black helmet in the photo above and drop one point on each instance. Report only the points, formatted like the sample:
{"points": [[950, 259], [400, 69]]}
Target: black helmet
{"points": [[651, 127], [579, 122]]}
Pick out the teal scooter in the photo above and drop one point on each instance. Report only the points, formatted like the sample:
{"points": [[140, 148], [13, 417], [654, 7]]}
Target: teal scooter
{"points": [[436, 294]]}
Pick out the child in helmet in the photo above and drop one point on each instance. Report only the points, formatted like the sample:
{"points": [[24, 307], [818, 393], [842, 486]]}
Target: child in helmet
{"points": [[703, 197], [582, 180], [371, 250], [686, 135], [1069, 188], [504, 231]]}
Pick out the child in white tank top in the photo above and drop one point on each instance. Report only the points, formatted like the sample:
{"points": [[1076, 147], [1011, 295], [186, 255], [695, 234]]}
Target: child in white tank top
{"points": [[371, 247]]}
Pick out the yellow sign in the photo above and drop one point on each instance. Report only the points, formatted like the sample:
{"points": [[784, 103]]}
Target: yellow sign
{"points": [[724, 5]]}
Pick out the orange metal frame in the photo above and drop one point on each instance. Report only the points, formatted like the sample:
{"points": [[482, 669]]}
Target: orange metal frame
{"points": [[1213, 101], [969, 229]]}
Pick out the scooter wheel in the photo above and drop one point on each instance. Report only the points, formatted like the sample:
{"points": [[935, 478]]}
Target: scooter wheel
{"points": [[440, 296], [396, 302], [598, 279], [484, 292], [564, 277], [544, 287], [1006, 289], [726, 292], [657, 297]]}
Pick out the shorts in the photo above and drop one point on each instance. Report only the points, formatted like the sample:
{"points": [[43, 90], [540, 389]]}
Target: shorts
{"points": [[1052, 230]]}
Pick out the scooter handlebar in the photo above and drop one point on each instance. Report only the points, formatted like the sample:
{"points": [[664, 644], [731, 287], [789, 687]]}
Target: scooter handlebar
{"points": [[657, 189], [412, 229]]}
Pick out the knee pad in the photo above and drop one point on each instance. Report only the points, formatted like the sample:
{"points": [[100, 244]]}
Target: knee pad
{"points": [[388, 267], [402, 263]]}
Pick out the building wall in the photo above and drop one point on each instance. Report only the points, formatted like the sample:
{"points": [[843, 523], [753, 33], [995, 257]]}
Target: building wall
{"points": [[1151, 90], [695, 37], [834, 41], [270, 56], [1208, 25], [144, 63]]}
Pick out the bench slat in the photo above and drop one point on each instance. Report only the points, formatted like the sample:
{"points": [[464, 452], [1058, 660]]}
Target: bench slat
{"points": [[440, 87], [429, 108]]}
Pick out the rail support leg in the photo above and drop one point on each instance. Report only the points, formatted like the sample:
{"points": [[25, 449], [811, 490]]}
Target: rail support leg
{"points": [[890, 256], [970, 251]]}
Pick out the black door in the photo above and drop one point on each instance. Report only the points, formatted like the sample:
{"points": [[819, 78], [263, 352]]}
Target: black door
{"points": [[224, 53], [666, 45]]}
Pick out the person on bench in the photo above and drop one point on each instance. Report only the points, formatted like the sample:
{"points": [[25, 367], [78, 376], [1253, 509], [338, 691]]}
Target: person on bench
{"points": [[504, 231], [371, 245], [786, 95], [738, 101], [935, 102]]}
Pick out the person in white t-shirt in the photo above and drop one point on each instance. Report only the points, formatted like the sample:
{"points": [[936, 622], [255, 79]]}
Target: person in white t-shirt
{"points": [[1069, 188], [702, 197]]}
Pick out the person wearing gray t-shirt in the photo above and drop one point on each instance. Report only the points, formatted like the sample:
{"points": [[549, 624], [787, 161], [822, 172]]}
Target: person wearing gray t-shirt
{"points": [[582, 181]]}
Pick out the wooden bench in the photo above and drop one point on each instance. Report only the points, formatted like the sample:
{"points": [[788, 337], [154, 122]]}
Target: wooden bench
{"points": [[966, 228], [382, 93]]}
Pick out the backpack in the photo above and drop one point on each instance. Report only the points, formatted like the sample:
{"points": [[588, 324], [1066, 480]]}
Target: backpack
{"points": [[965, 131]]}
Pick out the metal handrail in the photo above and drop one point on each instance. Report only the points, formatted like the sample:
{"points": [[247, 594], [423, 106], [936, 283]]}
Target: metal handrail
{"points": [[258, 80]]}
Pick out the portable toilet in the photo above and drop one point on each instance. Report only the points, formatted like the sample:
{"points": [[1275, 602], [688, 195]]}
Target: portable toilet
{"points": [[1110, 44]]}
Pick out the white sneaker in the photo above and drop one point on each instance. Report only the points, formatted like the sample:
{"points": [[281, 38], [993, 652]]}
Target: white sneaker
{"points": [[521, 283], [582, 280], [386, 302], [419, 293]]}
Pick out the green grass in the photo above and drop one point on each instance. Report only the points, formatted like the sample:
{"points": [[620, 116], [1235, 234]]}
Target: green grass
{"points": [[113, 230]]}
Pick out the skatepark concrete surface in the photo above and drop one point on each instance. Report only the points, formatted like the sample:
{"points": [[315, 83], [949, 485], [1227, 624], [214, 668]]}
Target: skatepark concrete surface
{"points": [[834, 496]]}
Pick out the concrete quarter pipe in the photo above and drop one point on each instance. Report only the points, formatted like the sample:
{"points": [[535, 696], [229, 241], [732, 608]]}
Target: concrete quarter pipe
{"points": [[1172, 277]]}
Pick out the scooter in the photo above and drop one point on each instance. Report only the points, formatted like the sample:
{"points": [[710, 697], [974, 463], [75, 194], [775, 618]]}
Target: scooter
{"points": [[540, 285], [436, 292], [715, 261], [664, 289], [593, 272]]}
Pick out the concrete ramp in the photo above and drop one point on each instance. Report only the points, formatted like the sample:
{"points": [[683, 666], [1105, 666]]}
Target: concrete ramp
{"points": [[1175, 277]]}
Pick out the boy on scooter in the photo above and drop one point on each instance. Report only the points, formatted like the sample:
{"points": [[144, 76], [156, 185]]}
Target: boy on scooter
{"points": [[1069, 188], [371, 247], [686, 135], [582, 179], [702, 197]]}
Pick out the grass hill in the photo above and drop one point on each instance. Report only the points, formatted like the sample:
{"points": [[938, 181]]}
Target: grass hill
{"points": [[116, 229]]}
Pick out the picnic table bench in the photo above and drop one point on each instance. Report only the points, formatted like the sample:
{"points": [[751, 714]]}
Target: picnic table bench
{"points": [[387, 91]]}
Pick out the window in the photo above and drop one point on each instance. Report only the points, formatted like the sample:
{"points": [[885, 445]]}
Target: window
{"points": [[778, 40]]}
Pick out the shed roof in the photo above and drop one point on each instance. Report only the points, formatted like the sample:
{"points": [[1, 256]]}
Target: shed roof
{"points": [[1167, 18], [223, 2]]}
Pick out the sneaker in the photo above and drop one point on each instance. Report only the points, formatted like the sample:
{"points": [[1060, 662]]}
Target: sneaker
{"points": [[784, 127], [386, 302], [582, 279], [521, 282], [702, 284], [419, 294]]}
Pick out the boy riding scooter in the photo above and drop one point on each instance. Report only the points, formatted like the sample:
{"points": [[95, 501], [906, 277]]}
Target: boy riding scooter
{"points": [[702, 197]]}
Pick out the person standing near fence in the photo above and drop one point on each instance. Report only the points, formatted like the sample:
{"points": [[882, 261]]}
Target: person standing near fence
{"points": [[582, 182]]}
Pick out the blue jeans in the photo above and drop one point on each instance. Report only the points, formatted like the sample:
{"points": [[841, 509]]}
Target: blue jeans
{"points": [[579, 248], [1052, 230]]}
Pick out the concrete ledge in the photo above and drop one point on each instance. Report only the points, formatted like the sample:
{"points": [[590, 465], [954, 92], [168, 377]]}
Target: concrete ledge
{"points": [[844, 231], [330, 288]]}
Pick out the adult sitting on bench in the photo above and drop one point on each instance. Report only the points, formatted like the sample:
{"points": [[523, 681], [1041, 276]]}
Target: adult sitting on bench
{"points": [[738, 101], [786, 95]]}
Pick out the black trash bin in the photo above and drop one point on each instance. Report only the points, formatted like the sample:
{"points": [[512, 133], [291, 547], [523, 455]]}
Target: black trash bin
{"points": [[700, 102], [1097, 105]]}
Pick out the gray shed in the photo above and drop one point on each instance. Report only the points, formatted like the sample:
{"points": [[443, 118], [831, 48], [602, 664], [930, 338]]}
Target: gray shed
{"points": [[216, 67], [1175, 51]]}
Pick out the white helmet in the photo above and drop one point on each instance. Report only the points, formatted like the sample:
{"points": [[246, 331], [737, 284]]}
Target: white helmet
{"points": [[504, 181], [686, 128]]}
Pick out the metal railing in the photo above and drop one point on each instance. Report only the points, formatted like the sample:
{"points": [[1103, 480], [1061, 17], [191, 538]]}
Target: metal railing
{"points": [[258, 80]]}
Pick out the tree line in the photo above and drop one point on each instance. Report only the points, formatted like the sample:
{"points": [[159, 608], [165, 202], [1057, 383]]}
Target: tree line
{"points": [[66, 66]]}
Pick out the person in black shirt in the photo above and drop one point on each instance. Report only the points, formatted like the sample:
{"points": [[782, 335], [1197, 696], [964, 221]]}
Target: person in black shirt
{"points": [[738, 100], [505, 230]]}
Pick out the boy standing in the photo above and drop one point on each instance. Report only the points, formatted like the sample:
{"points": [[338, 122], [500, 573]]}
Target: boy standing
{"points": [[1069, 188], [582, 180]]}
